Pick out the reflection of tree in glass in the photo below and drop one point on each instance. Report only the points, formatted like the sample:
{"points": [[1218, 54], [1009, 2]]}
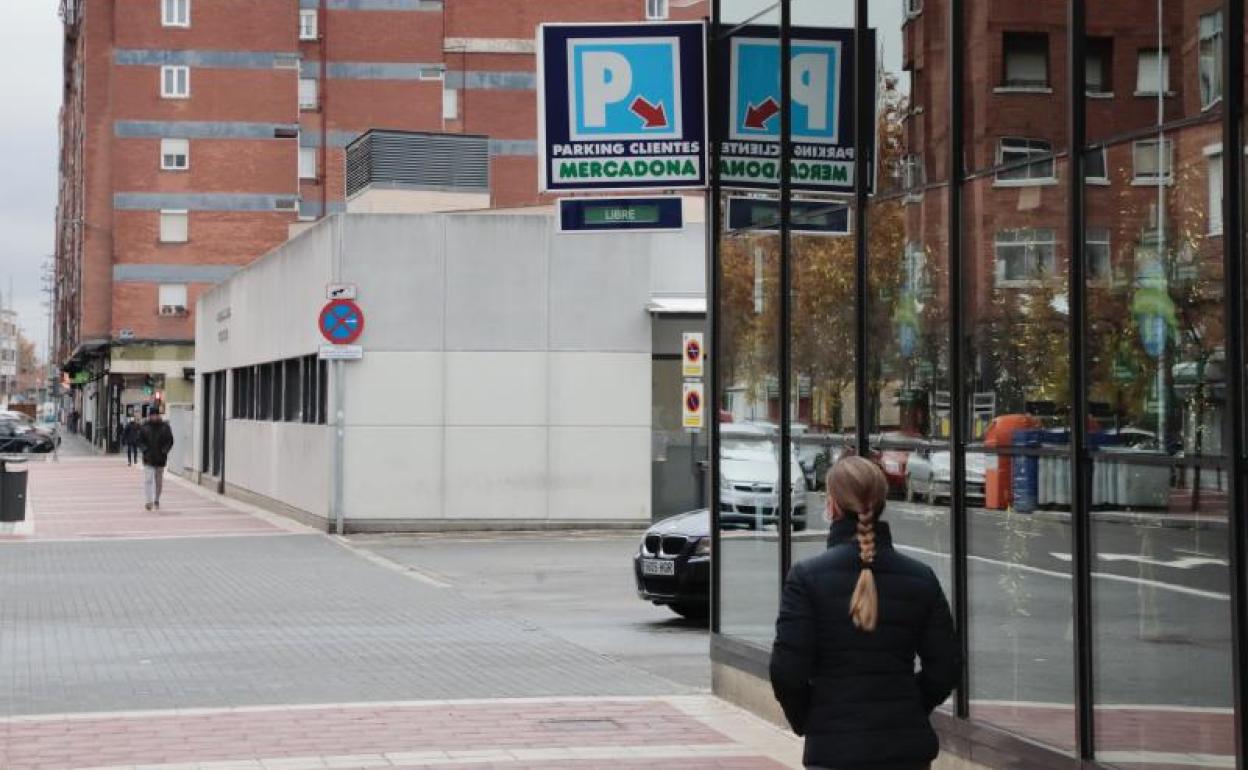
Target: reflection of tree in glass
{"points": [[1167, 270], [1022, 334]]}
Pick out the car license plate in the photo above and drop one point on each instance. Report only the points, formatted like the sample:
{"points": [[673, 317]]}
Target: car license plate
{"points": [[657, 567]]}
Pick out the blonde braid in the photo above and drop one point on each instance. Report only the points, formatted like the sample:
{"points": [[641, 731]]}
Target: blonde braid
{"points": [[864, 605], [859, 487]]}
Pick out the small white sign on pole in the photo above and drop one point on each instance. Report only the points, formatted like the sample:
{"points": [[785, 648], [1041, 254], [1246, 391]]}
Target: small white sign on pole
{"points": [[691, 406], [341, 352], [341, 291], [693, 354]]}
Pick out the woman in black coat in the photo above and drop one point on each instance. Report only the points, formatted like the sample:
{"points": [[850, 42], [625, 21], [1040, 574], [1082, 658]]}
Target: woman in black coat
{"points": [[852, 621]]}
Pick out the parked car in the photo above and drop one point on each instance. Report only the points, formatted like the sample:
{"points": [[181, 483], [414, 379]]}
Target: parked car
{"points": [[672, 566], [23, 423], [749, 474], [18, 438], [928, 476]]}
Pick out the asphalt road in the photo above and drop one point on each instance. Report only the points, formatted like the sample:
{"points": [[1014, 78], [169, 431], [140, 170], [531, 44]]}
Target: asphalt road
{"points": [[1162, 614], [1161, 603], [578, 587]]}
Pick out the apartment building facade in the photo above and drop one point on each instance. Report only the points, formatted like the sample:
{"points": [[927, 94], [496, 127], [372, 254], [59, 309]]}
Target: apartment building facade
{"points": [[196, 133]]}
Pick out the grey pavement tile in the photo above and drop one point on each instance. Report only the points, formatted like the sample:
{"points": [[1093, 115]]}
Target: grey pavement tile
{"points": [[118, 625]]}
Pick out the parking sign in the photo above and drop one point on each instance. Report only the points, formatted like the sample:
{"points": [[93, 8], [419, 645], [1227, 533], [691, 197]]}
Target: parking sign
{"points": [[621, 106], [821, 68]]}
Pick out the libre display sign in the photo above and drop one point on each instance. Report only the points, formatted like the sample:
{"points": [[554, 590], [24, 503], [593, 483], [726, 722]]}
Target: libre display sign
{"points": [[821, 65], [621, 106], [589, 215]]}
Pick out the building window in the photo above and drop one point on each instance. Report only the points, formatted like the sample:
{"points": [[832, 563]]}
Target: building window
{"points": [[173, 226], [656, 10], [1095, 167], [1099, 76], [292, 399], [450, 104], [172, 299], [175, 13], [307, 163], [1026, 60], [175, 154], [1013, 154], [308, 96], [307, 24], [1153, 73], [1096, 255], [1215, 193], [1025, 256], [912, 173], [912, 8], [175, 82], [1211, 43], [1153, 160]]}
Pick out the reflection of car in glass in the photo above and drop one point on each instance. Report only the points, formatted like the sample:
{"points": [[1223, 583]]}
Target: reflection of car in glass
{"points": [[928, 475], [749, 474], [673, 564], [22, 423]]}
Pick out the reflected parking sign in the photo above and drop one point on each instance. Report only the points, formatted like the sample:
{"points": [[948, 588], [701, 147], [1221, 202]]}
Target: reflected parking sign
{"points": [[622, 106], [815, 68], [821, 68]]}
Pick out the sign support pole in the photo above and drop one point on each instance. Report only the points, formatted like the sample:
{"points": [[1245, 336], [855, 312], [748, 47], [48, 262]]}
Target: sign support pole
{"points": [[339, 436]]}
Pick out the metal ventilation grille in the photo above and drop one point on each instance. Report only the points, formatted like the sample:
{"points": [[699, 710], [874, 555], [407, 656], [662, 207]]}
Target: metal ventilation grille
{"points": [[419, 160]]}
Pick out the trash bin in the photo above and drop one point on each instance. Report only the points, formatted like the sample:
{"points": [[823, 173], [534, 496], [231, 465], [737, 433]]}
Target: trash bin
{"points": [[1025, 479], [12, 493]]}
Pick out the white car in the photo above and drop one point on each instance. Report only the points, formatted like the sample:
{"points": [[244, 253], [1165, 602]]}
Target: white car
{"points": [[928, 475], [749, 476]]}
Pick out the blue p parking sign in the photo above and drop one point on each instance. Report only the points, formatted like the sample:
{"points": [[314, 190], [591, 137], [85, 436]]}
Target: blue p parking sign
{"points": [[625, 89], [622, 107]]}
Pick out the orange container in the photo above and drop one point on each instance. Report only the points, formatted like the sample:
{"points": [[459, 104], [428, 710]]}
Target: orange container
{"points": [[997, 476]]}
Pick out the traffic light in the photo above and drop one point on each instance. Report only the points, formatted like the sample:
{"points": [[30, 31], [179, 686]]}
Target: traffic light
{"points": [[149, 384]]}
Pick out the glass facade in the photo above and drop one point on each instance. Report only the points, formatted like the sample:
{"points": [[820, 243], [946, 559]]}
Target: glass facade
{"points": [[1025, 301]]}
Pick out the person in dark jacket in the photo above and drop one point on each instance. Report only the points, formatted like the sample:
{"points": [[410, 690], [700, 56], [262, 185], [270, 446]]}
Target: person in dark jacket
{"points": [[130, 440], [155, 439], [852, 621]]}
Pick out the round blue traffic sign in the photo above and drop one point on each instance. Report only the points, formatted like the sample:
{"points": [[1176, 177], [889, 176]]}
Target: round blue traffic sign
{"points": [[342, 322]]}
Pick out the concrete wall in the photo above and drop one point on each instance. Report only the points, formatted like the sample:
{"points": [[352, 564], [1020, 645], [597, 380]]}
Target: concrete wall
{"points": [[506, 379]]}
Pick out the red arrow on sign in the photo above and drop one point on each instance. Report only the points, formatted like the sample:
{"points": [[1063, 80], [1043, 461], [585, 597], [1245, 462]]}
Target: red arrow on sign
{"points": [[653, 114], [757, 117]]}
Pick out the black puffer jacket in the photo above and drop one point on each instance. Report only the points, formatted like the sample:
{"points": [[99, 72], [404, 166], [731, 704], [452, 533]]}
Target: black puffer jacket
{"points": [[155, 439], [856, 696]]}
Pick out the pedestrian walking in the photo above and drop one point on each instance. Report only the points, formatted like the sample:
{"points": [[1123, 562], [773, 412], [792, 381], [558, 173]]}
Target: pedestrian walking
{"points": [[852, 621], [155, 440], [130, 440]]}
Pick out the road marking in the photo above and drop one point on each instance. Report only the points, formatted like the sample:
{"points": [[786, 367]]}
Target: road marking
{"points": [[393, 566], [1187, 562], [1066, 575]]}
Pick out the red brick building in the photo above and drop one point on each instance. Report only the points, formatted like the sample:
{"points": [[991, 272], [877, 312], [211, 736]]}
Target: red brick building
{"points": [[195, 133], [1153, 165]]}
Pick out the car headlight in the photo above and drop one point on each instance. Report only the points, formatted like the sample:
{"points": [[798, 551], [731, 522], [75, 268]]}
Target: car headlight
{"points": [[724, 483], [703, 547]]}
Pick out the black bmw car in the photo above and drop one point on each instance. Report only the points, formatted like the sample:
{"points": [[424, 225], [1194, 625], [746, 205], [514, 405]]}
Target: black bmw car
{"points": [[673, 564]]}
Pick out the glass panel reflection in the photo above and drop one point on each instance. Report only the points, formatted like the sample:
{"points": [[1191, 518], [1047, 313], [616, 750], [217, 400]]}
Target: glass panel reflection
{"points": [[749, 401], [1020, 603], [1161, 596]]}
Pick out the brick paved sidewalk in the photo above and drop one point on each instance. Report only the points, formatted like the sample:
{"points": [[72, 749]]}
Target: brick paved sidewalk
{"points": [[102, 497], [684, 731]]}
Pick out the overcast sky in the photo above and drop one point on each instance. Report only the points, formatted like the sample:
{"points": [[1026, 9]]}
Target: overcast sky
{"points": [[30, 82]]}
